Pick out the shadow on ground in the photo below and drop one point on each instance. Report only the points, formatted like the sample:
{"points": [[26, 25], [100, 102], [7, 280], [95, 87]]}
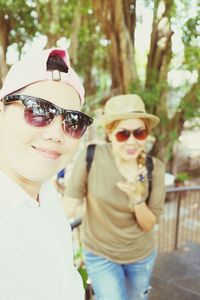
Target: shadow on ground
{"points": [[176, 275]]}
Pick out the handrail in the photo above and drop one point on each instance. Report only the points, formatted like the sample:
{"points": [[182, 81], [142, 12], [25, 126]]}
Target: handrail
{"points": [[77, 222], [183, 188], [180, 200]]}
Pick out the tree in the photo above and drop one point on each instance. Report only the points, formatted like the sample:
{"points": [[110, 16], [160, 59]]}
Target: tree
{"points": [[117, 20], [17, 24], [21, 21], [103, 50], [156, 90]]}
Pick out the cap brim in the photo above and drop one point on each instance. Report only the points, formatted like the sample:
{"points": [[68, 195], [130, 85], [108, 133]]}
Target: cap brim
{"points": [[104, 120]]}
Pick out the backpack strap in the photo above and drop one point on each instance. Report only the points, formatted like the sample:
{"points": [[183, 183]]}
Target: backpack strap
{"points": [[90, 155], [149, 166]]}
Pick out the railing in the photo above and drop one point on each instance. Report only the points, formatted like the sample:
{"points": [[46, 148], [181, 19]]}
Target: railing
{"points": [[179, 223], [181, 219]]}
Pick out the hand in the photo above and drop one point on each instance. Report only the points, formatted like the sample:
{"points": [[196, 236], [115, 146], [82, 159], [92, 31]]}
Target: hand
{"points": [[127, 187], [134, 191]]}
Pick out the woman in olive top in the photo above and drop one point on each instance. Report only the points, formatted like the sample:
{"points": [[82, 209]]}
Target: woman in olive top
{"points": [[118, 223]]}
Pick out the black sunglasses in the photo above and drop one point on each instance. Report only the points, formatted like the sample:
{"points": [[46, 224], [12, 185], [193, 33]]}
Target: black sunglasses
{"points": [[41, 113], [124, 134]]}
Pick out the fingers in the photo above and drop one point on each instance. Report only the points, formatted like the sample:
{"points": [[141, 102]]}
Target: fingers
{"points": [[128, 188]]}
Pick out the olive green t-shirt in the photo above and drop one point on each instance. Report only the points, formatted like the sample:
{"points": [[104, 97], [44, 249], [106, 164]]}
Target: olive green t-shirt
{"points": [[109, 227]]}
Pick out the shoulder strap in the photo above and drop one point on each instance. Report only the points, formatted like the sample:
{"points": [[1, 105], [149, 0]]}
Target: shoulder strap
{"points": [[149, 166], [90, 155]]}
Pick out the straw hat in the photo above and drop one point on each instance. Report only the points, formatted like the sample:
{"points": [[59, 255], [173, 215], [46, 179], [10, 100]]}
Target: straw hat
{"points": [[126, 107]]}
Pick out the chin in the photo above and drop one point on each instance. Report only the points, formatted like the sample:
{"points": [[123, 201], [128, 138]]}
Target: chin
{"points": [[39, 175], [131, 158]]}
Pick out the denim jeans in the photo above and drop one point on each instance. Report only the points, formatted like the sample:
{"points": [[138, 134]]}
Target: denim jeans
{"points": [[113, 281]]}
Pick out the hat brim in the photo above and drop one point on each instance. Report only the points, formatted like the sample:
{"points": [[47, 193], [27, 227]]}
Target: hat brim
{"points": [[104, 120]]}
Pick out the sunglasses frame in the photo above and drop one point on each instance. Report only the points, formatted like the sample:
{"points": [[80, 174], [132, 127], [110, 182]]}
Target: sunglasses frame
{"points": [[131, 132], [58, 110]]}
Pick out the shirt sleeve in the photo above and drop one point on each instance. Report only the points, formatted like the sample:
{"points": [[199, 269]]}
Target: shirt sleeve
{"points": [[76, 186], [157, 197]]}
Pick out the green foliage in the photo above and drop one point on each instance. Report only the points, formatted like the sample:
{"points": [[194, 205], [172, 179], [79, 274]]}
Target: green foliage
{"points": [[78, 257], [22, 22], [79, 254], [182, 177], [191, 40], [187, 103], [52, 21], [53, 18], [84, 275], [151, 96], [173, 135]]}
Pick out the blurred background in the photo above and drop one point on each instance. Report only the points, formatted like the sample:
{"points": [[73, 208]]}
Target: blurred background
{"points": [[147, 47]]}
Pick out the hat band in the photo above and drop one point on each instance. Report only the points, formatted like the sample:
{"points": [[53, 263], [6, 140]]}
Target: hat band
{"points": [[138, 112], [130, 112]]}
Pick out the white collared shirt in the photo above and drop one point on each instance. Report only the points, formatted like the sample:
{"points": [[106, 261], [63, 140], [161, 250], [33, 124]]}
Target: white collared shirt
{"points": [[36, 257]]}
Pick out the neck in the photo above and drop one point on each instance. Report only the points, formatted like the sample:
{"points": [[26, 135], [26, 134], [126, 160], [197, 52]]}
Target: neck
{"points": [[125, 162], [32, 188]]}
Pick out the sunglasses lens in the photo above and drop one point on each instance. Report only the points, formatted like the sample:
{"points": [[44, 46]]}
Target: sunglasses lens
{"points": [[122, 135], [76, 124], [38, 113], [140, 134]]}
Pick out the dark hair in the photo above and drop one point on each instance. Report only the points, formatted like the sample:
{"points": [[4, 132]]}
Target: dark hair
{"points": [[55, 62]]}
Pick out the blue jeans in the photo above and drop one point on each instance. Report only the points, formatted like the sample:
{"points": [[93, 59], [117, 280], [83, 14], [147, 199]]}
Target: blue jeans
{"points": [[113, 281]]}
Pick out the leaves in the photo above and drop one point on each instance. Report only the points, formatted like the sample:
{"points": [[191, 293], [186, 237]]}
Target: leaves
{"points": [[191, 40], [103, 50]]}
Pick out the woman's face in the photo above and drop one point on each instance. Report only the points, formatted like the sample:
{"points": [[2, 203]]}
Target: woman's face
{"points": [[36, 153], [130, 148]]}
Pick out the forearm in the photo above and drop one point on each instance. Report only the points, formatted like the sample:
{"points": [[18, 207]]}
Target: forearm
{"points": [[144, 216], [70, 206]]}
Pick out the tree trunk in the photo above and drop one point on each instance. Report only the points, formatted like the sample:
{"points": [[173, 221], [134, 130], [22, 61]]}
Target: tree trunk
{"points": [[164, 147], [74, 44], [50, 20], [116, 17], [156, 74]]}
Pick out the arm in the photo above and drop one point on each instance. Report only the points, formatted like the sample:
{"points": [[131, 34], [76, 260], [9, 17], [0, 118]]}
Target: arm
{"points": [[70, 206], [75, 187], [144, 216], [147, 215]]}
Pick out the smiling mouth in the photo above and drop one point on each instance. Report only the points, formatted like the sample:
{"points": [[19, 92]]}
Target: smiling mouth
{"points": [[131, 151], [50, 154]]}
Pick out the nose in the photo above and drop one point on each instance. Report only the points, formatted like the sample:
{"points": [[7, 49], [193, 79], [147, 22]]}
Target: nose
{"points": [[54, 131], [131, 139]]}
